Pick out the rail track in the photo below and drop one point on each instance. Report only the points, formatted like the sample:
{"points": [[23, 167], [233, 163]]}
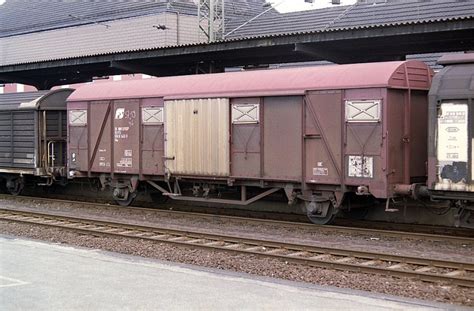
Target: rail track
{"points": [[430, 270], [466, 236]]}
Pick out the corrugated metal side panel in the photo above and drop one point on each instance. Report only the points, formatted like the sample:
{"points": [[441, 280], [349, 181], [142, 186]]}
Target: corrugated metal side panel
{"points": [[17, 139], [55, 124], [197, 136]]}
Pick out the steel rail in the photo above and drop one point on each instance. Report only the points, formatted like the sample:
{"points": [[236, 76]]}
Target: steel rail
{"points": [[430, 270], [327, 228]]}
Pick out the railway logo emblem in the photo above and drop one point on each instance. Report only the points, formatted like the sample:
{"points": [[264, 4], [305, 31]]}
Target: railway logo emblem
{"points": [[119, 113]]}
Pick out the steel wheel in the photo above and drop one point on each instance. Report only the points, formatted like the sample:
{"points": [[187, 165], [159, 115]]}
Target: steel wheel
{"points": [[127, 202], [317, 218], [123, 197], [15, 187]]}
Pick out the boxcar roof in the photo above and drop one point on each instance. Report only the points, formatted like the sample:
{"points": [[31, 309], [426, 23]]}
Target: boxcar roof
{"points": [[455, 81], [291, 81], [34, 100], [457, 58]]}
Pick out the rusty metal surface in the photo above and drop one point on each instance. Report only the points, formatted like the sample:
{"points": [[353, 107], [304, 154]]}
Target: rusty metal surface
{"points": [[153, 142], [99, 151], [323, 137], [365, 151], [246, 155], [364, 146], [126, 121], [350, 125], [418, 136], [290, 81], [282, 138], [112, 139], [394, 141], [77, 139]]}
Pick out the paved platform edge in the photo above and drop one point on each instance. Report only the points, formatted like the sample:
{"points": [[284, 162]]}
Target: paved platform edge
{"points": [[243, 275]]}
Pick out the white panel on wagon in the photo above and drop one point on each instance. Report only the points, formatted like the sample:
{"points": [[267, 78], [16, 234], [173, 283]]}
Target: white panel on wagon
{"points": [[453, 147], [197, 136], [152, 115], [245, 113], [78, 117], [363, 111]]}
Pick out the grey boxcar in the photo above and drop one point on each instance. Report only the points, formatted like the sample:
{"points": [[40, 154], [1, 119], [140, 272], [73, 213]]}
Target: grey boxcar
{"points": [[451, 123], [33, 133]]}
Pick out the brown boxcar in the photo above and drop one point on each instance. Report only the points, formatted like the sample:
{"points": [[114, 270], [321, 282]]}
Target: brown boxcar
{"points": [[320, 134]]}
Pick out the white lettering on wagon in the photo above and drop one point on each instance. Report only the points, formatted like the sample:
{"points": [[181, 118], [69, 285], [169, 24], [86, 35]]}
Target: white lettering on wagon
{"points": [[121, 132], [125, 162], [320, 171], [453, 133], [129, 115], [119, 113]]}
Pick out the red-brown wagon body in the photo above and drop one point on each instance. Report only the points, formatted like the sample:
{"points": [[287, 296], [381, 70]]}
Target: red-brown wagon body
{"points": [[318, 133]]}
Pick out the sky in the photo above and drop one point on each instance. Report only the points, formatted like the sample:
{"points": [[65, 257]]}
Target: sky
{"points": [[299, 5]]}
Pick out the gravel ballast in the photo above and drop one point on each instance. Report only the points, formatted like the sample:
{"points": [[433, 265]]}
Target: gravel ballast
{"points": [[252, 264], [256, 229]]}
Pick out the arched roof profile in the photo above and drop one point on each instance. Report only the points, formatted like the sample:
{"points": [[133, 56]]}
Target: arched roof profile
{"points": [[292, 81], [38, 100]]}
